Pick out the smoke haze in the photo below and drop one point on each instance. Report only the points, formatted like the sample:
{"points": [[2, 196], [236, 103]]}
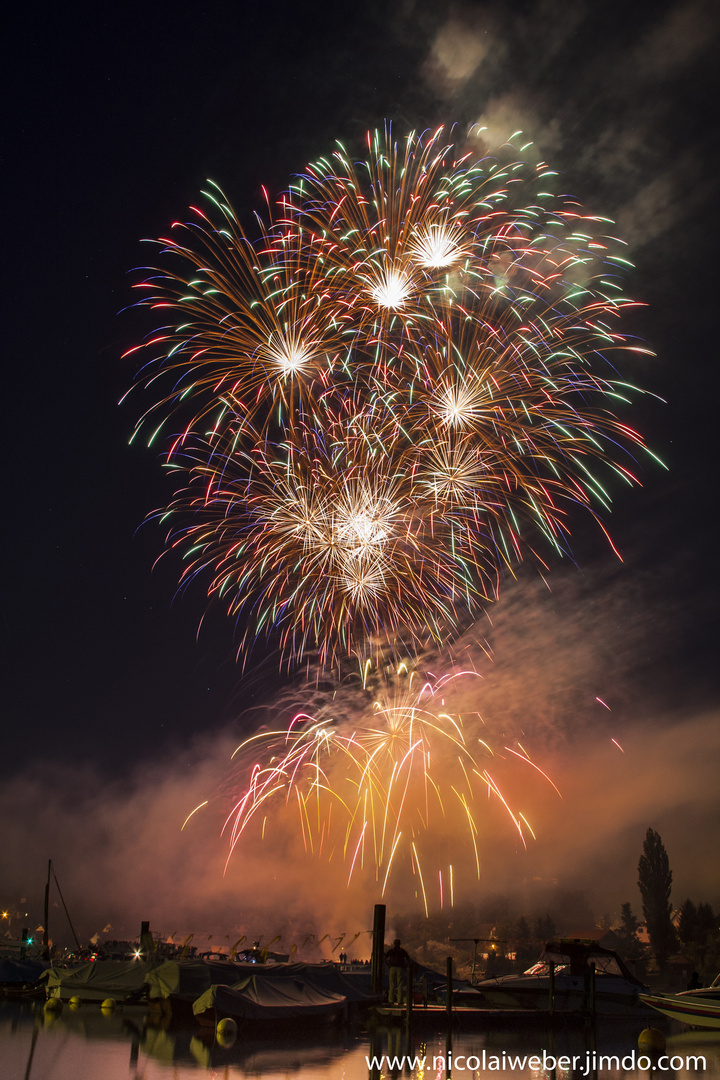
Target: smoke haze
{"points": [[561, 674], [605, 674]]}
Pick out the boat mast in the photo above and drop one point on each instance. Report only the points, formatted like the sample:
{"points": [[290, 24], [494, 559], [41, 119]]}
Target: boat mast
{"points": [[46, 937]]}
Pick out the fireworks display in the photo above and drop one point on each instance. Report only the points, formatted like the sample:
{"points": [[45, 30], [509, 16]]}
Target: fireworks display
{"points": [[389, 776], [380, 404], [399, 388]]}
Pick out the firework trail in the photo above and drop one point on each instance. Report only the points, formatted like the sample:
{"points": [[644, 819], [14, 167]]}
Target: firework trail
{"points": [[400, 387], [380, 777]]}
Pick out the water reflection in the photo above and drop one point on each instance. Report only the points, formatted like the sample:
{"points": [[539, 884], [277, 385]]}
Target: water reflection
{"points": [[87, 1043]]}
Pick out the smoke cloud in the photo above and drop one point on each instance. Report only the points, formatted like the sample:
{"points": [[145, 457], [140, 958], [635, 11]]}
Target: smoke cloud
{"points": [[562, 675], [611, 107]]}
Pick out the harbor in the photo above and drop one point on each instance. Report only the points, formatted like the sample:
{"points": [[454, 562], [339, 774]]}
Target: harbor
{"points": [[578, 1012]]}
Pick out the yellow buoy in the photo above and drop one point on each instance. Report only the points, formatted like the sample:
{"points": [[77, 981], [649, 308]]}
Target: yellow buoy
{"points": [[109, 1003], [651, 1039], [74, 1002], [226, 1032], [53, 1004]]}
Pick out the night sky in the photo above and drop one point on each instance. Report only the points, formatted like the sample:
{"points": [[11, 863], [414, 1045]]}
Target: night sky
{"points": [[114, 119]]}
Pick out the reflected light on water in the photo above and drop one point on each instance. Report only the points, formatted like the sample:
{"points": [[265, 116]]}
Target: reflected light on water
{"points": [[86, 1043]]}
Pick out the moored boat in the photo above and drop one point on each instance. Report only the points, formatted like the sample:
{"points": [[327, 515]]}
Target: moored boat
{"points": [[174, 987], [572, 975], [699, 1008], [691, 1007], [123, 981], [19, 978], [281, 999]]}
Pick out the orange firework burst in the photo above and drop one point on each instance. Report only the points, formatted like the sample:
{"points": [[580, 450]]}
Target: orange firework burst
{"points": [[385, 785]]}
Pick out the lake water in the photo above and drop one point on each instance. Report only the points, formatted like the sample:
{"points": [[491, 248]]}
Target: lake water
{"points": [[88, 1044]]}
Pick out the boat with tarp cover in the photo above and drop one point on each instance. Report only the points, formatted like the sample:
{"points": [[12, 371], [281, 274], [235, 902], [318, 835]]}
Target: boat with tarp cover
{"points": [[99, 980], [19, 978], [174, 987], [258, 998]]}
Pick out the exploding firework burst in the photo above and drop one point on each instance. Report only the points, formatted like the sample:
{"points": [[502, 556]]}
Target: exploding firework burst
{"points": [[382, 785], [393, 393]]}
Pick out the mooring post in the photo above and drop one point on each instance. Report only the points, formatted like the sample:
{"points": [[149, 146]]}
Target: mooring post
{"points": [[586, 990], [378, 950], [147, 945], [592, 990], [449, 986], [410, 992], [551, 973]]}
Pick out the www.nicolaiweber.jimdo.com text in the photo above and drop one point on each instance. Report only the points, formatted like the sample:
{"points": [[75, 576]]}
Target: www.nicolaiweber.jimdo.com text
{"points": [[581, 1064]]}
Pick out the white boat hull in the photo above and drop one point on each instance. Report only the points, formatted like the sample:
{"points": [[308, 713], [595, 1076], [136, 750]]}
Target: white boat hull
{"points": [[698, 1011]]}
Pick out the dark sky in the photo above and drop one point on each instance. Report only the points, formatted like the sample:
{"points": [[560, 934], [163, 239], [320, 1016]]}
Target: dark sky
{"points": [[115, 118]]}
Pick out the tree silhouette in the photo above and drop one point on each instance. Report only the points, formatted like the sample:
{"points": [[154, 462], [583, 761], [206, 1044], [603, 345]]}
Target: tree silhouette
{"points": [[544, 928], [526, 950], [687, 926], [629, 945], [697, 930], [655, 882]]}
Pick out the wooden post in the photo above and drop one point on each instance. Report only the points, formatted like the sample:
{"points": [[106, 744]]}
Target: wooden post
{"points": [[410, 992], [424, 989], [378, 950], [592, 990], [551, 1003], [587, 973], [449, 986], [147, 945]]}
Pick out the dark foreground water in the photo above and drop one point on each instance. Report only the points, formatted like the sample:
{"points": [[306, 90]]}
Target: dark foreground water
{"points": [[88, 1044]]}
